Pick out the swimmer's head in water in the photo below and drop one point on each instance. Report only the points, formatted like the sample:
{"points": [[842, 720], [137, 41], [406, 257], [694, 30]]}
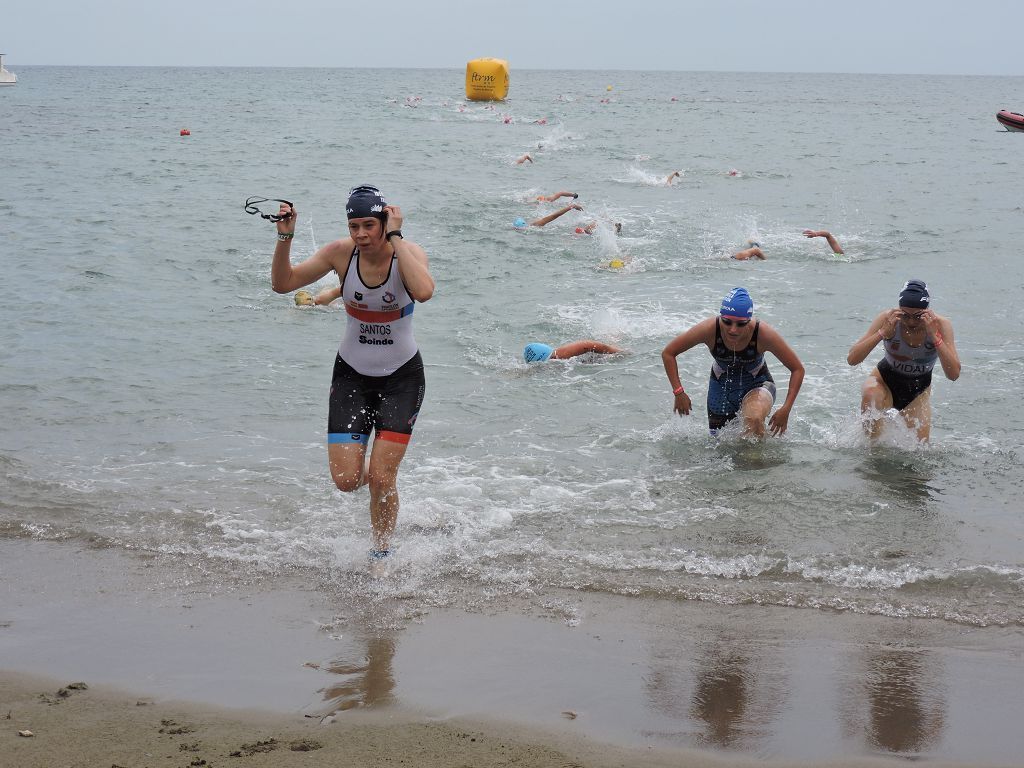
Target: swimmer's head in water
{"points": [[366, 201], [915, 295], [618, 227], [519, 223], [304, 299], [537, 352], [737, 303], [579, 230]]}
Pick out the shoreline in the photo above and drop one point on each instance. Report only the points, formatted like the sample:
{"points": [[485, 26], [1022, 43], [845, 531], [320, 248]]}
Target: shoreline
{"points": [[98, 725], [592, 678]]}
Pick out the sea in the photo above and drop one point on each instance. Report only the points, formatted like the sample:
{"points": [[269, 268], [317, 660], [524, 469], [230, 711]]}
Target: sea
{"points": [[159, 398]]}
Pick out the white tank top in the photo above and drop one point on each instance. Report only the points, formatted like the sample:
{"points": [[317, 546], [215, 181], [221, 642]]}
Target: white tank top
{"points": [[378, 336]]}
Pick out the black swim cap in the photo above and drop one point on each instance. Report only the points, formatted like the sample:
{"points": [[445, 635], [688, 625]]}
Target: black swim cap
{"points": [[366, 200], [914, 295]]}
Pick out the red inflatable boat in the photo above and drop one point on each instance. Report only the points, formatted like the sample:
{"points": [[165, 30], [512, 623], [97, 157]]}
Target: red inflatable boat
{"points": [[1011, 120]]}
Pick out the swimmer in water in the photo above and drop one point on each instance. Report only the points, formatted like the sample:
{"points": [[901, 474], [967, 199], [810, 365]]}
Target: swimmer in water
{"points": [[555, 196], [538, 353], [524, 159], [740, 383], [914, 338], [522, 223], [325, 297], [589, 228], [672, 176], [617, 262], [377, 386], [752, 251], [832, 242]]}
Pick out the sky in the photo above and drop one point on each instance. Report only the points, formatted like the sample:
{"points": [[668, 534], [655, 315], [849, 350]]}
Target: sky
{"points": [[971, 37]]}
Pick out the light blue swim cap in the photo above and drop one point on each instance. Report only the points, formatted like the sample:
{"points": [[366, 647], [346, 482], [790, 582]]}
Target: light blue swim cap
{"points": [[537, 352], [518, 223], [737, 303]]}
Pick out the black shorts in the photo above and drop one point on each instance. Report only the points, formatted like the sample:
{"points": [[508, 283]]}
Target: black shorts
{"points": [[904, 389], [389, 404]]}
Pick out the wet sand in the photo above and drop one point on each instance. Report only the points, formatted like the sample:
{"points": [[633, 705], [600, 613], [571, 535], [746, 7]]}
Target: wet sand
{"points": [[104, 727], [583, 680]]}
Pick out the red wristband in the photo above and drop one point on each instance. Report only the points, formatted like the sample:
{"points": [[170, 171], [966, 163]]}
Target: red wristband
{"points": [[678, 390]]}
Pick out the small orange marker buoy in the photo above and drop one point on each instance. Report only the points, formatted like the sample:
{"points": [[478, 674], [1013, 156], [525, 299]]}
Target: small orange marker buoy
{"points": [[185, 132]]}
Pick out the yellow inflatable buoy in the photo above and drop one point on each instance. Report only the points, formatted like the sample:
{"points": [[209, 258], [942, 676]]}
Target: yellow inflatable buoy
{"points": [[486, 79], [303, 299]]}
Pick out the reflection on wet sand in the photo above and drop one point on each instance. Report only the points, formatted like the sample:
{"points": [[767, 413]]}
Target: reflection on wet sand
{"points": [[901, 716], [720, 699], [368, 684], [721, 709]]}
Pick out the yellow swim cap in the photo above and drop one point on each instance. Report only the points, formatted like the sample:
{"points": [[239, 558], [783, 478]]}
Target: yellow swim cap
{"points": [[616, 263], [303, 298]]}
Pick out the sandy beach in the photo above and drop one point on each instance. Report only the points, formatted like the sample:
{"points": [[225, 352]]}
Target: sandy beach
{"points": [[101, 726], [181, 668], [48, 725]]}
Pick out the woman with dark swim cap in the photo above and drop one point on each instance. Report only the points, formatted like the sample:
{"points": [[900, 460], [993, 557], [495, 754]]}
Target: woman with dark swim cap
{"points": [[740, 384], [914, 337], [378, 380]]}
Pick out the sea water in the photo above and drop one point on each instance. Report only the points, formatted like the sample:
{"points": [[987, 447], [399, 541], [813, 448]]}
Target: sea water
{"points": [[157, 396]]}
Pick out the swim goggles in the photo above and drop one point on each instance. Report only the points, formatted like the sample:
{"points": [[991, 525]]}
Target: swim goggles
{"points": [[252, 202]]}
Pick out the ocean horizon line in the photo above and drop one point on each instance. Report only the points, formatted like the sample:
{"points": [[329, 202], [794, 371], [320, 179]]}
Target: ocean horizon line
{"points": [[459, 68]]}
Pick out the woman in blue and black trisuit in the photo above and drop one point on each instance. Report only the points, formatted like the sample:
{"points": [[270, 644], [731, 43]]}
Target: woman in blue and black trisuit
{"points": [[914, 338], [740, 384]]}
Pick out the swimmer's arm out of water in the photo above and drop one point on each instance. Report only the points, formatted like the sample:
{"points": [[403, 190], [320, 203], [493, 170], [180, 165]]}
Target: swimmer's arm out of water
{"points": [[574, 348], [552, 216], [327, 296]]}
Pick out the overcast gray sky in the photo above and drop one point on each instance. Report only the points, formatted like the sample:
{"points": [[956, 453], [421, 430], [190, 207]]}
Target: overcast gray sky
{"points": [[898, 36]]}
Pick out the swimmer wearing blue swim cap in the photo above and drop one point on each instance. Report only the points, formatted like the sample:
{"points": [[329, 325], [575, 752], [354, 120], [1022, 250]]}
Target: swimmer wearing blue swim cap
{"points": [[913, 339], [521, 223], [740, 383], [538, 353]]}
